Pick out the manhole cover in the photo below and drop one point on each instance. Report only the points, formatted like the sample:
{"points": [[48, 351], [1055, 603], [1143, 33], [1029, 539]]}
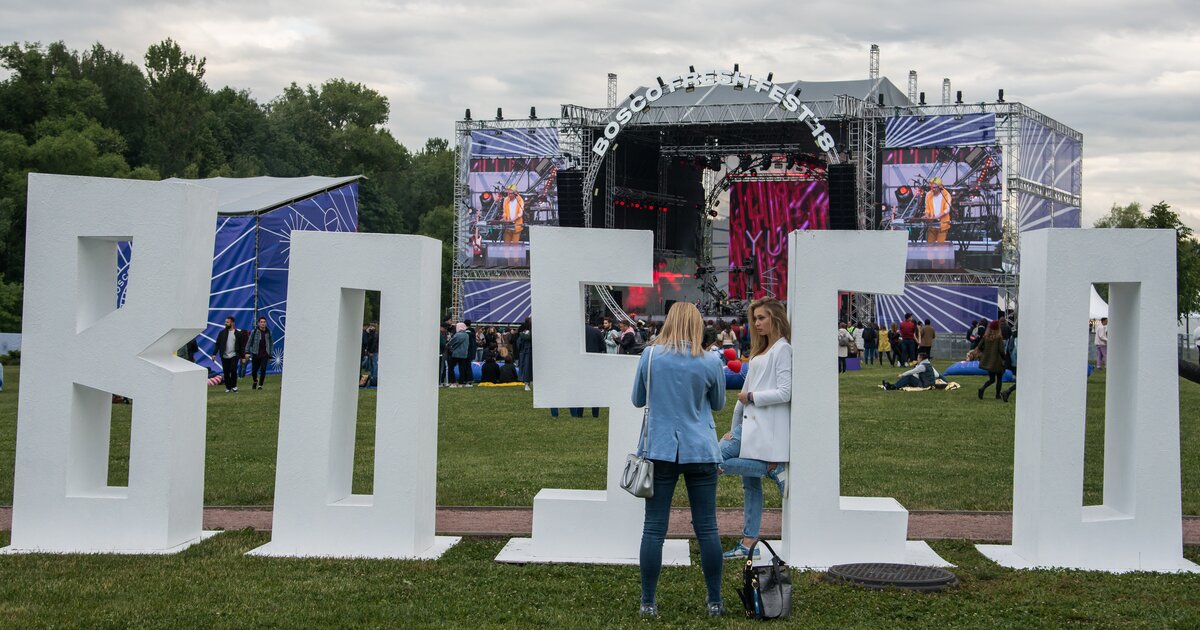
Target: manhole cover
{"points": [[879, 576]]}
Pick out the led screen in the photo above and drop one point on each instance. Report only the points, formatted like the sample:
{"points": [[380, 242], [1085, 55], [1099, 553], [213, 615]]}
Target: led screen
{"points": [[949, 201], [506, 196], [762, 214]]}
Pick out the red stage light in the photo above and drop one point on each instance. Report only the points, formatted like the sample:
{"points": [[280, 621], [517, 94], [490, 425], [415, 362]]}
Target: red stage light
{"points": [[487, 195], [903, 190], [637, 205]]}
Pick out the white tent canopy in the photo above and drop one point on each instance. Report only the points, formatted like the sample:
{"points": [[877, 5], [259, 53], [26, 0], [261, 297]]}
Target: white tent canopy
{"points": [[1098, 308]]}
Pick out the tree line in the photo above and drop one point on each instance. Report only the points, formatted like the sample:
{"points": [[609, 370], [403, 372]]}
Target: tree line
{"points": [[96, 113]]}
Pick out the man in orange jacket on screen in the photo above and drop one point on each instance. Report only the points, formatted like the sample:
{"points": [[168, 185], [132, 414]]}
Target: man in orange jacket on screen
{"points": [[514, 214], [937, 208]]}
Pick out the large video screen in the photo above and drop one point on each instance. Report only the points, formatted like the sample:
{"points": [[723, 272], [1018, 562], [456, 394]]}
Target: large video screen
{"points": [[761, 215], [949, 201], [506, 196]]}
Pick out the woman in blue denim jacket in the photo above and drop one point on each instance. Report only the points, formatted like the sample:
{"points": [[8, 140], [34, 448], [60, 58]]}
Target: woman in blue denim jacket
{"points": [[686, 386]]}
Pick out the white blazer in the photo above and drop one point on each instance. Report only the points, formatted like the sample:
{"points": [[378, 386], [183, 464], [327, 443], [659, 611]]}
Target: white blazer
{"points": [[766, 424]]}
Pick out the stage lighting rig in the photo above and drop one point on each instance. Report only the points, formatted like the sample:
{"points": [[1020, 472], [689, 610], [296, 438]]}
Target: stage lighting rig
{"points": [[1000, 95], [499, 113], [468, 114], [532, 113]]}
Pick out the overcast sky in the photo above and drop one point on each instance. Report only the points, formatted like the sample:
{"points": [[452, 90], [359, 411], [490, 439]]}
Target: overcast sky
{"points": [[1125, 74]]}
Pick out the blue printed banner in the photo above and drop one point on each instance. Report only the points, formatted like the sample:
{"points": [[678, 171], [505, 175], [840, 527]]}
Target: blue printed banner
{"points": [[939, 131], [949, 308], [496, 301]]}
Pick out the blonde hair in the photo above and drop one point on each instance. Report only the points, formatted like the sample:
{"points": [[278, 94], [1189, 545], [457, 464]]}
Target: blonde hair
{"points": [[683, 330], [779, 321]]}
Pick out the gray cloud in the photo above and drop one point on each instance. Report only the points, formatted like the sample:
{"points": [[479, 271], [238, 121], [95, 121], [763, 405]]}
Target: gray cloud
{"points": [[1122, 73]]}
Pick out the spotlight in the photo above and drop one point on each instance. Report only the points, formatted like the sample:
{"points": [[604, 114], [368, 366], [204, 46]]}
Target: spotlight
{"points": [[468, 114], [922, 98], [692, 69], [797, 92], [1000, 95], [661, 84], [499, 114], [958, 97], [770, 76], [881, 100], [532, 113], [735, 67], [712, 213]]}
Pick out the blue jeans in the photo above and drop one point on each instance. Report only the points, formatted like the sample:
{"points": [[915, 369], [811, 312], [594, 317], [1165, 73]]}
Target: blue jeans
{"points": [[752, 471], [869, 355], [701, 482]]}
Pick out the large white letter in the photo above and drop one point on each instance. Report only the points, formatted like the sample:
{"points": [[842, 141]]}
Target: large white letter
{"points": [[820, 527], [600, 526], [79, 349], [315, 512], [1138, 527]]}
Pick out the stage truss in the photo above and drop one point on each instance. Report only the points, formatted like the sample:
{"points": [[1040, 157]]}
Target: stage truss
{"points": [[863, 122]]}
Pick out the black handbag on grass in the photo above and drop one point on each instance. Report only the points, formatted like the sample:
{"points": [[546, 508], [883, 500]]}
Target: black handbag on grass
{"points": [[766, 591]]}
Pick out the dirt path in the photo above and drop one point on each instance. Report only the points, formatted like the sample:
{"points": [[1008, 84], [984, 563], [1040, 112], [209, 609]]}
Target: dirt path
{"points": [[518, 521]]}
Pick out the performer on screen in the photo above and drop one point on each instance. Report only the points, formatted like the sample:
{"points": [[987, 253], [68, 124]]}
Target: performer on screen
{"points": [[513, 208], [937, 208]]}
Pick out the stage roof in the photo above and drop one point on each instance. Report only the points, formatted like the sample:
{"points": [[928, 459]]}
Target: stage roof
{"points": [[810, 91], [248, 195]]}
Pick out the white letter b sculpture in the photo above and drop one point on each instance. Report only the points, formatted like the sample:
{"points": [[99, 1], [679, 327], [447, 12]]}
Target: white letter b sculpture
{"points": [[80, 349], [316, 513], [591, 526], [1138, 525]]}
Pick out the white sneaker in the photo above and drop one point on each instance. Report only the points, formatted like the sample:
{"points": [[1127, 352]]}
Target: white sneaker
{"points": [[527, 387], [233, 390]]}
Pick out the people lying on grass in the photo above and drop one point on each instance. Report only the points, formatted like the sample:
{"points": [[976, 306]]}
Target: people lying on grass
{"points": [[757, 445], [922, 375]]}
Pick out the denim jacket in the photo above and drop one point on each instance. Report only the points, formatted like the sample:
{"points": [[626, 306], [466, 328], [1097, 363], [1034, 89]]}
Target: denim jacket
{"points": [[684, 391]]}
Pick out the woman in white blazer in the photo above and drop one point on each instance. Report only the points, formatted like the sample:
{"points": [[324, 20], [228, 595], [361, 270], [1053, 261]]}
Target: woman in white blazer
{"points": [[758, 443]]}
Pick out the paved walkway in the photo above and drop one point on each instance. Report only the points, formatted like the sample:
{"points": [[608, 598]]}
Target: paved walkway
{"points": [[518, 521]]}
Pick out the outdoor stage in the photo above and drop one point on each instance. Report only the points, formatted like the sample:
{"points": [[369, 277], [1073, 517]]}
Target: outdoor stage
{"points": [[720, 166]]}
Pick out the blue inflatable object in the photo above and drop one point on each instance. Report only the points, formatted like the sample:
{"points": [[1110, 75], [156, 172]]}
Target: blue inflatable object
{"points": [[971, 368]]}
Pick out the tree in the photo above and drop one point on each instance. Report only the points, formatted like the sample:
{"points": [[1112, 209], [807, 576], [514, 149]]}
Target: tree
{"points": [[180, 141], [439, 223], [1187, 254]]}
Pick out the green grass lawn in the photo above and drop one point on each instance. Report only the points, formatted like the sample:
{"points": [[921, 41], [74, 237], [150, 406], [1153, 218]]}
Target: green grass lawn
{"points": [[213, 585], [934, 450]]}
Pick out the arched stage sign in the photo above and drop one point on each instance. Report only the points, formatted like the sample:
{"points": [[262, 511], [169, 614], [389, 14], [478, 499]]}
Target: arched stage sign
{"points": [[733, 79]]}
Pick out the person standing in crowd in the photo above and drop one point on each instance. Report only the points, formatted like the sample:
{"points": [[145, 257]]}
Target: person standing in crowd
{"points": [[974, 333], [758, 443], [258, 352], [472, 342], [1010, 354], [885, 345], [611, 336], [908, 341], [870, 337], [443, 357], [685, 386], [370, 353], [525, 352], [231, 346], [991, 357], [458, 347], [1102, 344], [855, 349], [628, 340], [844, 341], [921, 375], [893, 335], [725, 335], [926, 336]]}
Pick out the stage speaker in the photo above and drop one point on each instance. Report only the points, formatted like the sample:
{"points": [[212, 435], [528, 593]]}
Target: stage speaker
{"points": [[843, 202], [570, 198]]}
